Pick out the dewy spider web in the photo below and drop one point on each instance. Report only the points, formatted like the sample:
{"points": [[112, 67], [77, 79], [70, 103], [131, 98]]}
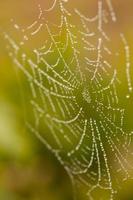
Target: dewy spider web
{"points": [[75, 100]]}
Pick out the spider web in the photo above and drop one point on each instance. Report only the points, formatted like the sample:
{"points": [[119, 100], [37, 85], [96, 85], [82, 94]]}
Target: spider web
{"points": [[74, 94]]}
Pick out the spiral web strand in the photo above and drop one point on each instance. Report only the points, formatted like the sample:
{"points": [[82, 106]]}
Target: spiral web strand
{"points": [[78, 95]]}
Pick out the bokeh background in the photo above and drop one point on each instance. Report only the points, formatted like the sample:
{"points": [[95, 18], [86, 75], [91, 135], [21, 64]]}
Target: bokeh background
{"points": [[27, 169]]}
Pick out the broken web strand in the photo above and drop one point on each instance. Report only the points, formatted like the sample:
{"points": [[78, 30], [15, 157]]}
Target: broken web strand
{"points": [[77, 122], [128, 64]]}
